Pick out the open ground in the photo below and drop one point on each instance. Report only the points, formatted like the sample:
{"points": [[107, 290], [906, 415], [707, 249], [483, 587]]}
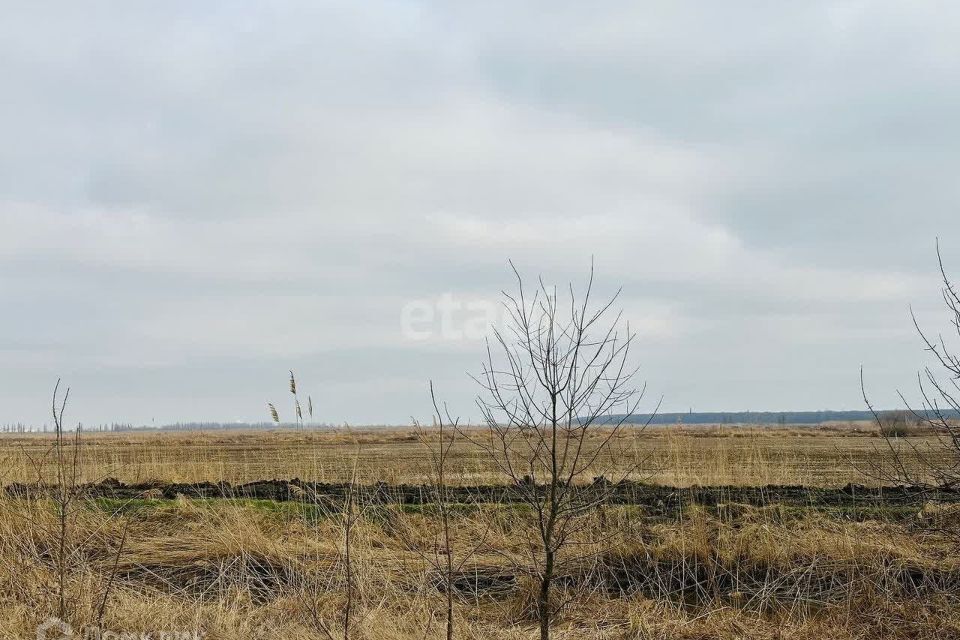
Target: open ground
{"points": [[831, 455], [750, 554]]}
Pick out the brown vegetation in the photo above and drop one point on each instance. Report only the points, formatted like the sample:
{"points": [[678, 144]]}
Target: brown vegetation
{"points": [[262, 569], [676, 455]]}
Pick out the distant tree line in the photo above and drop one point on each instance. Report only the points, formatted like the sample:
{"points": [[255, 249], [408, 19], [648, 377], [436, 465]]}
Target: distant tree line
{"points": [[747, 417], [20, 427], [688, 417]]}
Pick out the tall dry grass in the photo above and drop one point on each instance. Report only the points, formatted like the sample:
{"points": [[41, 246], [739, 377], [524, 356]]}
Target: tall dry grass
{"points": [[255, 569], [245, 571]]}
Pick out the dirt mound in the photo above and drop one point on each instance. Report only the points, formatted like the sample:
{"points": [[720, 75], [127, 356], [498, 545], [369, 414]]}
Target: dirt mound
{"points": [[657, 499]]}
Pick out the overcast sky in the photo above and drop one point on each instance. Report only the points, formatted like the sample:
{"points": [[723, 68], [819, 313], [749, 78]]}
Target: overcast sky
{"points": [[197, 197]]}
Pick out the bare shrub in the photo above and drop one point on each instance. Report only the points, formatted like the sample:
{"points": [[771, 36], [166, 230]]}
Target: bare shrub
{"points": [[63, 462], [899, 424], [563, 367], [913, 464]]}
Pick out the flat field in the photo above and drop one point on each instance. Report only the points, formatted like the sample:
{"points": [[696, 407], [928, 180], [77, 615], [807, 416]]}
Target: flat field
{"points": [[163, 549], [682, 456]]}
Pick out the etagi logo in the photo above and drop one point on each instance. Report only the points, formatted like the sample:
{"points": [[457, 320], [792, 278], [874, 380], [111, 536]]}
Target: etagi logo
{"points": [[57, 629], [451, 318]]}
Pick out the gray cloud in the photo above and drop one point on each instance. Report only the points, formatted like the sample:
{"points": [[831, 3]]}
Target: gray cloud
{"points": [[194, 199]]}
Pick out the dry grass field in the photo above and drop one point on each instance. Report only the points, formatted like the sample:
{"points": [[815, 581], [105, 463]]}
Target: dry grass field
{"points": [[248, 568], [825, 456]]}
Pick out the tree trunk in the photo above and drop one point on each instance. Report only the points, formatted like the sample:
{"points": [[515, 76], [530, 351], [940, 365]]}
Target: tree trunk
{"points": [[543, 601], [449, 576]]}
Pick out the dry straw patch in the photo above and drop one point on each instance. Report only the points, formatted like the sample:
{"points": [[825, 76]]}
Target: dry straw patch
{"points": [[240, 571], [828, 456], [249, 569]]}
